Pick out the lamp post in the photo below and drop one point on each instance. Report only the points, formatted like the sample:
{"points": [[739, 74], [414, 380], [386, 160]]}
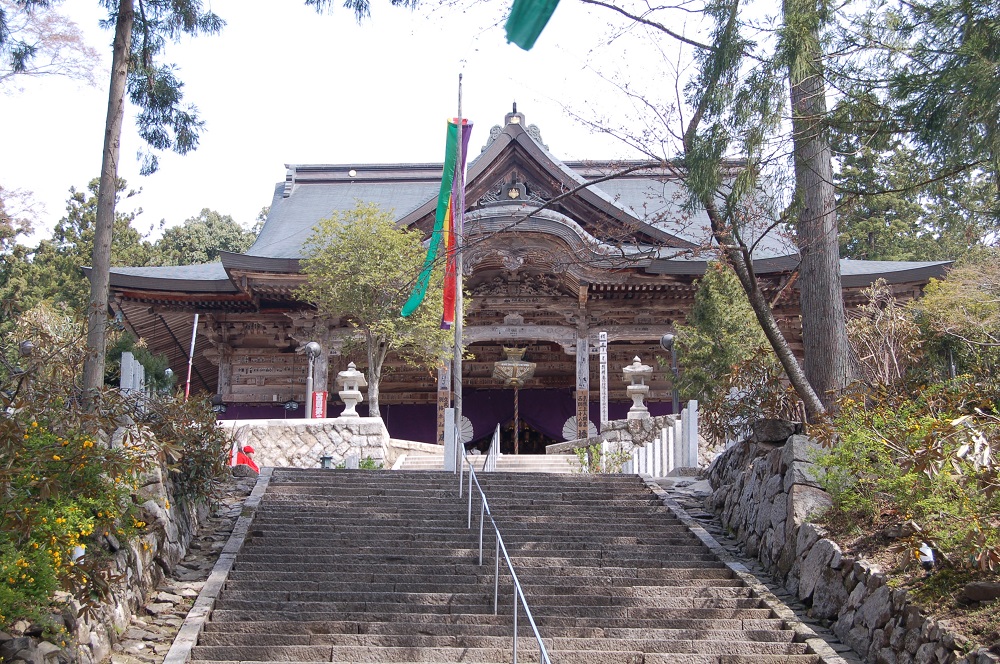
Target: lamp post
{"points": [[313, 350], [514, 371], [669, 342]]}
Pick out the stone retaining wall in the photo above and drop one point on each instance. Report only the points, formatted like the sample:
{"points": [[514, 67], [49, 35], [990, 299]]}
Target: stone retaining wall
{"points": [[301, 443], [764, 493]]}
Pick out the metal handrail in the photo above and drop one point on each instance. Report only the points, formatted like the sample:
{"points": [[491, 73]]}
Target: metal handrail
{"points": [[501, 548], [490, 465]]}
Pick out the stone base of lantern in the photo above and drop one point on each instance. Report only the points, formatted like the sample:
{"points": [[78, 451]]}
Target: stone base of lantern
{"points": [[638, 393]]}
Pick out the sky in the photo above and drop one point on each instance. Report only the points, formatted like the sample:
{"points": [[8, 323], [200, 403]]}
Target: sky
{"points": [[282, 85]]}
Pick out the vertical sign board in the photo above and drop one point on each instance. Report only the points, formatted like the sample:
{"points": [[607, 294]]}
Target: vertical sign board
{"points": [[602, 345], [443, 399], [319, 404], [582, 386]]}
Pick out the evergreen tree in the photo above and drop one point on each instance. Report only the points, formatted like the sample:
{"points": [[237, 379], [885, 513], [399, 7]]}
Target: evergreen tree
{"points": [[52, 272], [720, 333], [891, 208], [200, 239]]}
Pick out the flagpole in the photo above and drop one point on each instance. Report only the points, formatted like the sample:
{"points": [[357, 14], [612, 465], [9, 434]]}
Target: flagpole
{"points": [[458, 220]]}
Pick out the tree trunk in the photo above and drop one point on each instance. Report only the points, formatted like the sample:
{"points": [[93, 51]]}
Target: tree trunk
{"points": [[824, 334], [377, 351], [97, 314], [739, 258]]}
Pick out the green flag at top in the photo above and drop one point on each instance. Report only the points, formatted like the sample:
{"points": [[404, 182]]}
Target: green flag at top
{"points": [[527, 20]]}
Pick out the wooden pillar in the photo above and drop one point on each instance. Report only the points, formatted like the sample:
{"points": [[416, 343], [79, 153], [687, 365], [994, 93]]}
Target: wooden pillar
{"points": [[225, 369]]}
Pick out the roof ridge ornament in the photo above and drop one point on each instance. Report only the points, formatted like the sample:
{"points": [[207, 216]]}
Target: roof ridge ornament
{"points": [[514, 118]]}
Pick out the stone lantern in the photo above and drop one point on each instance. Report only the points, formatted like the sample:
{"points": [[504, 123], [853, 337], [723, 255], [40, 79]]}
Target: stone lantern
{"points": [[351, 381], [637, 374]]}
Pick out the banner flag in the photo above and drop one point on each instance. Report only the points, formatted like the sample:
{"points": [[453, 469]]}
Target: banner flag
{"points": [[527, 20], [443, 215]]}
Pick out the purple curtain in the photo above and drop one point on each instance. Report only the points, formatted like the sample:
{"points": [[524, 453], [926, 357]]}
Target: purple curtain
{"points": [[545, 410]]}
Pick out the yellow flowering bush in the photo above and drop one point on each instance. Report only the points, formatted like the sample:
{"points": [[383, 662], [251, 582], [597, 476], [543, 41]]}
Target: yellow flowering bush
{"points": [[58, 491], [67, 492]]}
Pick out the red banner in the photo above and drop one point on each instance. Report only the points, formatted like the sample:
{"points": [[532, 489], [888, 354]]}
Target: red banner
{"points": [[319, 404]]}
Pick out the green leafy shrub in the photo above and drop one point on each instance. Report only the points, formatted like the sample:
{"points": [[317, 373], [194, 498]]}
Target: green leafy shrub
{"points": [[751, 390], [922, 454], [592, 461], [195, 449]]}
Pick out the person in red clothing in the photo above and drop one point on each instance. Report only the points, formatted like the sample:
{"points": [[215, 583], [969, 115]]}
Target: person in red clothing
{"points": [[243, 458]]}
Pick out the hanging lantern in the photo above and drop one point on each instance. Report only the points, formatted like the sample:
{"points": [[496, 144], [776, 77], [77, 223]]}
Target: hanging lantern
{"points": [[514, 371]]}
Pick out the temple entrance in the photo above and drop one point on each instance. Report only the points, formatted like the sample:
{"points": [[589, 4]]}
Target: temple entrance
{"points": [[530, 440]]}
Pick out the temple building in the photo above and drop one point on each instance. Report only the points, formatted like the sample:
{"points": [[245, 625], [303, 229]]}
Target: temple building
{"points": [[621, 256]]}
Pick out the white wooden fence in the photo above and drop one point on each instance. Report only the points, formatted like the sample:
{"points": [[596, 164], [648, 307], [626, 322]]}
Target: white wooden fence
{"points": [[676, 447]]}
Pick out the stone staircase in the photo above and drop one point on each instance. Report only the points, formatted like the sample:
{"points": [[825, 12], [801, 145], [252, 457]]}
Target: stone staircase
{"points": [[506, 463], [377, 566]]}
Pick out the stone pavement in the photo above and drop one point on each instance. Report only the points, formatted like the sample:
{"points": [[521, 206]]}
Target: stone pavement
{"points": [[155, 625]]}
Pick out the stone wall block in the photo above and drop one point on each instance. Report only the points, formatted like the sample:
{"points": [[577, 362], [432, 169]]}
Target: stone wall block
{"points": [[876, 610], [844, 623], [772, 487], [779, 511], [800, 448], [857, 596], [809, 534], [787, 558], [984, 656], [814, 564], [857, 639], [925, 654], [774, 462], [929, 631], [886, 656], [773, 431], [805, 501], [876, 579], [829, 595], [899, 601], [801, 472], [878, 642]]}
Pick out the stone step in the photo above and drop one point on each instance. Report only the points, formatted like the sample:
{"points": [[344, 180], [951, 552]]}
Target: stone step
{"points": [[629, 579], [718, 627], [349, 653], [623, 617], [673, 641], [309, 570], [577, 657], [352, 561], [311, 535], [539, 601], [339, 548], [557, 529], [532, 587]]}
